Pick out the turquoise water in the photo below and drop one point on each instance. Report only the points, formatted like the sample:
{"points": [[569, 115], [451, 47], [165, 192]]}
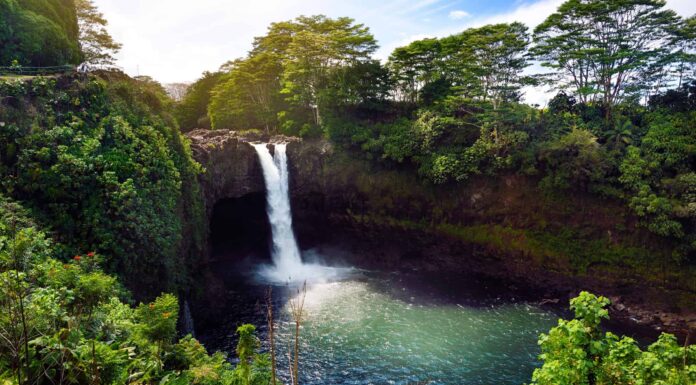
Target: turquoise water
{"points": [[367, 332]]}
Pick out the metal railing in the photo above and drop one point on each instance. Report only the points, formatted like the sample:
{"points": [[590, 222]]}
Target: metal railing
{"points": [[55, 70], [33, 71]]}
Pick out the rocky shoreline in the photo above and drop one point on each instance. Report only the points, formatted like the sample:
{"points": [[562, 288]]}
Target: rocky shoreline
{"points": [[633, 308]]}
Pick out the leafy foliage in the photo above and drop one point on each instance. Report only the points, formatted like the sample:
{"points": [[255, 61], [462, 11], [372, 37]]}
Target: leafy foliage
{"points": [[100, 161], [607, 51], [480, 63], [192, 111], [38, 33], [283, 82], [45, 33], [576, 352], [104, 165], [67, 322], [660, 174], [574, 159], [97, 46]]}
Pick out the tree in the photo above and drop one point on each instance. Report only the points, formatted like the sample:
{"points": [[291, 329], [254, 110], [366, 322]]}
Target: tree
{"points": [[658, 175], [319, 45], [192, 111], [682, 99], [61, 322], [685, 55], [359, 84], [249, 95], [483, 63], [574, 159], [38, 33], [285, 77], [413, 67], [601, 49], [111, 175], [253, 368], [492, 59], [97, 45]]}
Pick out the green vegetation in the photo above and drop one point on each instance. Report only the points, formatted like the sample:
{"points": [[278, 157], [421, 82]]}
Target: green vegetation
{"points": [[644, 155], [289, 74], [192, 110], [97, 180], [96, 45], [620, 126], [64, 321], [609, 52], [576, 352], [38, 33], [53, 33], [480, 63], [102, 164]]}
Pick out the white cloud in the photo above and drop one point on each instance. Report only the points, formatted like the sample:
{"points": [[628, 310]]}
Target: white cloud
{"points": [[531, 14], [684, 8], [176, 40], [458, 14]]}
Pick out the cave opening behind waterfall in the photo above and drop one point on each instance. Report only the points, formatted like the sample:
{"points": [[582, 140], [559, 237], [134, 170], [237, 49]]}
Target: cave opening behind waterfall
{"points": [[239, 228]]}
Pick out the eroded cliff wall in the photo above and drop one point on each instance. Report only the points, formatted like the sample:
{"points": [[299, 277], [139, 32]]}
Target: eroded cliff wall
{"points": [[505, 225]]}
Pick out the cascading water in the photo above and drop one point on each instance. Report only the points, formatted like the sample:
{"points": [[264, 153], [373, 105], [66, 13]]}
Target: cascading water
{"points": [[376, 327], [287, 260], [285, 253], [187, 320]]}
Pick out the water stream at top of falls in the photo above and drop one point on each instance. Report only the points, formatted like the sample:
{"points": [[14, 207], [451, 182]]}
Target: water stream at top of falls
{"points": [[287, 259]]}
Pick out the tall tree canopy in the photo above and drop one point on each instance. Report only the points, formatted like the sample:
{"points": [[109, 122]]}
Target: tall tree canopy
{"points": [[38, 32], [414, 67], [249, 93], [287, 71], [602, 50], [318, 46], [488, 62], [191, 111], [98, 47], [483, 63]]}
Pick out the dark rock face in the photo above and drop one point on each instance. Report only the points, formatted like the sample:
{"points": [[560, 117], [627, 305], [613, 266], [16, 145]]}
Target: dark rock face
{"points": [[388, 218], [231, 166], [232, 171]]}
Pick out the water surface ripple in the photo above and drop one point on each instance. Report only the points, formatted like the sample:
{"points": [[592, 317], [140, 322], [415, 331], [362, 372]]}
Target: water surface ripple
{"points": [[356, 332]]}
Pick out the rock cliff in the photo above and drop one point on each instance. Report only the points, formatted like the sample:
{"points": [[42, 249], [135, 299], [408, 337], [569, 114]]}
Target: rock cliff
{"points": [[387, 217]]}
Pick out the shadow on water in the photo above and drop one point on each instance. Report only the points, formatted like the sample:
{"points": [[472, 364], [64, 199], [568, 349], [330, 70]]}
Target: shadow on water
{"points": [[387, 327], [360, 327]]}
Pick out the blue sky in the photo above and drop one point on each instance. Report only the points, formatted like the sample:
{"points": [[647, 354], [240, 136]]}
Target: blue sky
{"points": [[176, 40]]}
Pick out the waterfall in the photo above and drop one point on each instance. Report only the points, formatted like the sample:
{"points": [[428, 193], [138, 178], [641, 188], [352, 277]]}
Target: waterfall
{"points": [[285, 253], [287, 260], [187, 320]]}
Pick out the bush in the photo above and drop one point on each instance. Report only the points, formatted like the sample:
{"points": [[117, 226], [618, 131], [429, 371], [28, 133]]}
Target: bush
{"points": [[66, 321], [576, 352], [103, 164], [38, 33], [574, 159]]}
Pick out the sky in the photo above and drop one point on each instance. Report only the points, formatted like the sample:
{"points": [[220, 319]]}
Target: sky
{"points": [[177, 40]]}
